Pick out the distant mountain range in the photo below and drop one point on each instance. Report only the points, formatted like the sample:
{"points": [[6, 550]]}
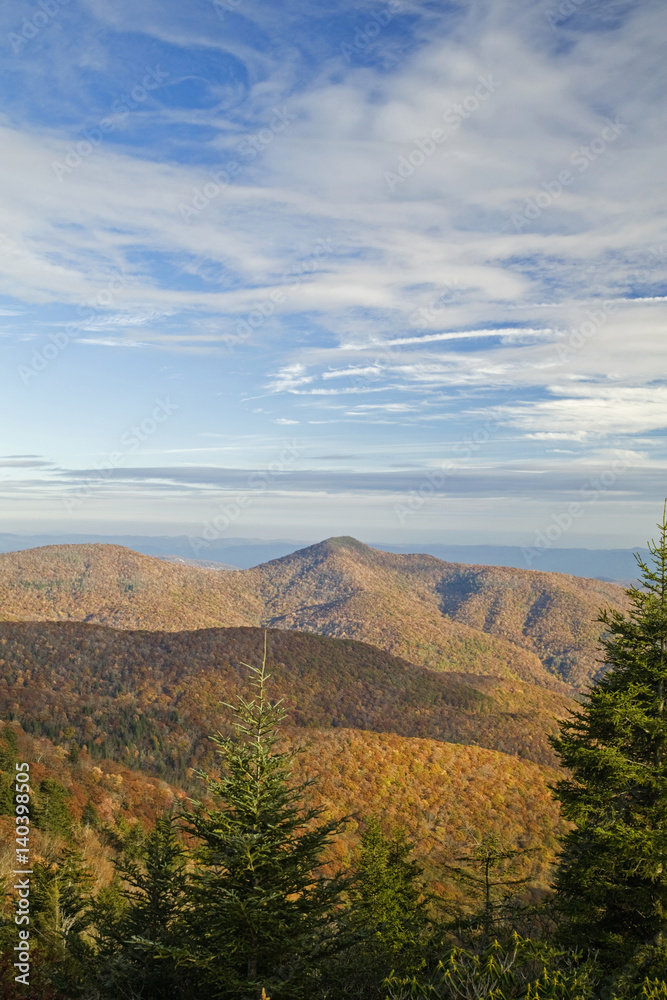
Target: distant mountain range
{"points": [[510, 623], [420, 689], [243, 553]]}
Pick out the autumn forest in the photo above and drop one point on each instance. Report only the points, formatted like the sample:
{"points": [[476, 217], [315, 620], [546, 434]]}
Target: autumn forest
{"points": [[344, 773]]}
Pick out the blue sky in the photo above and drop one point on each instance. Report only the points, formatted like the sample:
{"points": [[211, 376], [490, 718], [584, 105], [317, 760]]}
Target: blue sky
{"points": [[389, 269]]}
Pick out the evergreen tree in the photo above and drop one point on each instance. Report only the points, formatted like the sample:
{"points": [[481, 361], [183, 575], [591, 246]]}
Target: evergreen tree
{"points": [[387, 920], [612, 880], [9, 750], [387, 899], [8, 756], [262, 911], [61, 915], [139, 919], [52, 809], [491, 875]]}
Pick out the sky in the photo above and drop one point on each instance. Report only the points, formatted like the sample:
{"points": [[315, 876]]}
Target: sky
{"points": [[393, 270]]}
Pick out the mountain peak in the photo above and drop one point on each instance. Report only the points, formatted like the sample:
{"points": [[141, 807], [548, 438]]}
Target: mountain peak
{"points": [[344, 542], [329, 547]]}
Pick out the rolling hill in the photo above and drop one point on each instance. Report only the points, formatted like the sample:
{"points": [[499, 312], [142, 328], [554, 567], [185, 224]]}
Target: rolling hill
{"points": [[422, 690], [111, 585], [507, 623], [150, 699], [432, 612]]}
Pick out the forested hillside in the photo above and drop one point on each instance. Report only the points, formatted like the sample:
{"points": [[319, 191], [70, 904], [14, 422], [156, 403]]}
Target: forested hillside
{"points": [[428, 811], [538, 627], [151, 698], [443, 794], [116, 586]]}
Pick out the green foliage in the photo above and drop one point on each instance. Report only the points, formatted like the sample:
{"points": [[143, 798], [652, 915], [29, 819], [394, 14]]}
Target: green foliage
{"points": [[156, 884], [492, 874], [52, 811], [653, 990], [139, 919], [61, 915], [387, 922], [8, 757], [262, 910], [7, 788], [9, 750], [612, 879], [90, 816], [126, 838], [387, 900], [519, 969]]}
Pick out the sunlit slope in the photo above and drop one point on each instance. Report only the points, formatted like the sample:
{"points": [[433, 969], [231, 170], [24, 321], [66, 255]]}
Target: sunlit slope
{"points": [[539, 627], [112, 585], [440, 614], [151, 697], [443, 794]]}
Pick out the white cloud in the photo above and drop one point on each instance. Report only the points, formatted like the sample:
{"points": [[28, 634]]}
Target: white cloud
{"points": [[421, 298], [582, 411]]}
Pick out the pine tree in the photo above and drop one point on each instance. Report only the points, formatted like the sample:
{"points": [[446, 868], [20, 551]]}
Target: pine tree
{"points": [[52, 811], [9, 750], [262, 911], [8, 756], [61, 915], [387, 920], [388, 899], [139, 919], [491, 875], [156, 884], [612, 879]]}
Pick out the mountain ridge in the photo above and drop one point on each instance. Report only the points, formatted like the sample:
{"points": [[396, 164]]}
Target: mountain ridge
{"points": [[536, 626], [611, 565], [96, 680]]}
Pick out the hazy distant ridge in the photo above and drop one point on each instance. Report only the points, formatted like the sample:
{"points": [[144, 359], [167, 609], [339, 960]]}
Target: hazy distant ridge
{"points": [[537, 627], [605, 564]]}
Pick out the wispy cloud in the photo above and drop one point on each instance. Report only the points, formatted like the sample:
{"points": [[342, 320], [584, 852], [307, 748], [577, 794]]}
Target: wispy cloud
{"points": [[436, 313]]}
